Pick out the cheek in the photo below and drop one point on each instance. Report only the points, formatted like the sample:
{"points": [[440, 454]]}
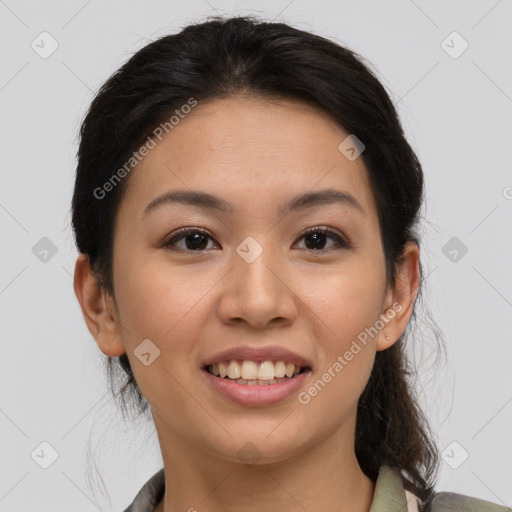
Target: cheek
{"points": [[347, 340], [157, 301], [348, 305], [167, 305], [348, 301]]}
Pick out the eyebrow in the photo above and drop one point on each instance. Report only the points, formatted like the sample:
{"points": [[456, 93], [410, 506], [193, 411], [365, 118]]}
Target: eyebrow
{"points": [[298, 203]]}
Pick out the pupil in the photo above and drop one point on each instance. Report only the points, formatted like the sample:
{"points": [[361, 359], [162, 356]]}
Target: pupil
{"points": [[314, 237], [196, 244]]}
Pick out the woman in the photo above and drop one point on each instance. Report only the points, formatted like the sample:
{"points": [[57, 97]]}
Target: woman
{"points": [[245, 210]]}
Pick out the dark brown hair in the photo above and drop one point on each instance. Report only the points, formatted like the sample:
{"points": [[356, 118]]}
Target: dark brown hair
{"points": [[219, 58]]}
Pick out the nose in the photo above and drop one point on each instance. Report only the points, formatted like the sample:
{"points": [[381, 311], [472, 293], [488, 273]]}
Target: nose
{"points": [[258, 293]]}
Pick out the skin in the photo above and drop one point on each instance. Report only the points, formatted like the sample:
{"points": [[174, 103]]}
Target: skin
{"points": [[255, 154]]}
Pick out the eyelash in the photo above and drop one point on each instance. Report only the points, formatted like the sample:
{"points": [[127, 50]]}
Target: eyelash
{"points": [[184, 232]]}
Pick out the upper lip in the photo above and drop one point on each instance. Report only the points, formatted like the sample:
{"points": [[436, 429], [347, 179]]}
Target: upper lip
{"points": [[258, 355]]}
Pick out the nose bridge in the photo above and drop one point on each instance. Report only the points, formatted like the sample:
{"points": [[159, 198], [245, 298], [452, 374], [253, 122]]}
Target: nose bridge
{"points": [[256, 292], [256, 263]]}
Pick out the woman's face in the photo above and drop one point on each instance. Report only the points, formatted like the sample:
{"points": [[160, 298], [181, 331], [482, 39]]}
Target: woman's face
{"points": [[253, 279]]}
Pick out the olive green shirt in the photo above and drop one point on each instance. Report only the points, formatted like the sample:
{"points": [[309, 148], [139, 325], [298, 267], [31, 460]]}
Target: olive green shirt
{"points": [[390, 496]]}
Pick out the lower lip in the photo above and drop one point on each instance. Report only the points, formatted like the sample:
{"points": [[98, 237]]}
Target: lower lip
{"points": [[257, 394]]}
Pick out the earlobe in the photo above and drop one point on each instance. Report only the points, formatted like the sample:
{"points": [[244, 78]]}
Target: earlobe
{"points": [[401, 298], [97, 309], [384, 342]]}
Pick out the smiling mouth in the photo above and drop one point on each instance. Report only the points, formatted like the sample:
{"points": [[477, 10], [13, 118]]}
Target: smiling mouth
{"points": [[251, 373]]}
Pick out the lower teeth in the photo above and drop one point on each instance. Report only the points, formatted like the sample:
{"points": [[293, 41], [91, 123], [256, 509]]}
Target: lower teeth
{"points": [[257, 382]]}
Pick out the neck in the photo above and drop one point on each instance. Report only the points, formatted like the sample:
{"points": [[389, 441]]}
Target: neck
{"points": [[325, 477]]}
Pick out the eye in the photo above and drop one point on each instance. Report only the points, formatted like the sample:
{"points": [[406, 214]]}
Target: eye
{"points": [[195, 239], [317, 237]]}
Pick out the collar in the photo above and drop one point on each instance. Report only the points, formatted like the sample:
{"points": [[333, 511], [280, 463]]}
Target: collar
{"points": [[390, 494]]}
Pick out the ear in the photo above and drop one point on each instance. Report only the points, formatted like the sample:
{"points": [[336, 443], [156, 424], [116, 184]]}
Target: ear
{"points": [[98, 309], [400, 298]]}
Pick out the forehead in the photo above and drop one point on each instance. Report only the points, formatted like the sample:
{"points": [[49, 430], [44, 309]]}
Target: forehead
{"points": [[246, 149]]}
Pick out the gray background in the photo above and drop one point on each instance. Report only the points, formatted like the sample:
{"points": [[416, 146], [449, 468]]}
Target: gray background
{"points": [[456, 114]]}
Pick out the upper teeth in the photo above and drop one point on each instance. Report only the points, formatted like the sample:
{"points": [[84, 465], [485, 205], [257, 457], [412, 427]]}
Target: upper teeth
{"points": [[267, 370]]}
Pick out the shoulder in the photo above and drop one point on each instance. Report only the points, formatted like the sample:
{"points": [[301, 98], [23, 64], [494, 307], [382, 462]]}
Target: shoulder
{"points": [[453, 502]]}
